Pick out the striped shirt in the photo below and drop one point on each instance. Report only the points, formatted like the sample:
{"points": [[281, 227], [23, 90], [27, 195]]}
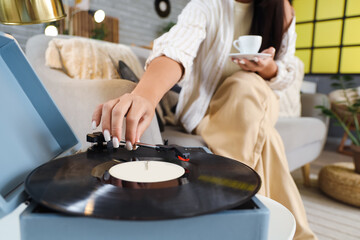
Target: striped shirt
{"points": [[201, 41]]}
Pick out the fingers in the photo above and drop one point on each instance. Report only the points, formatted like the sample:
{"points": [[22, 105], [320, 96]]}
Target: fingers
{"points": [[117, 118], [249, 65], [270, 50], [138, 112], [241, 63], [253, 66], [144, 123], [106, 117], [260, 63], [96, 117], [243, 66], [132, 121]]}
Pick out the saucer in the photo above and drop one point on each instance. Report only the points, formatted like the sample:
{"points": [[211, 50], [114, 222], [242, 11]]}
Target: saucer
{"points": [[249, 56]]}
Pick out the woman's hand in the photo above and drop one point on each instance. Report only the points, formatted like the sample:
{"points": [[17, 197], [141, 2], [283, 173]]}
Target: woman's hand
{"points": [[138, 107], [266, 67], [137, 110]]}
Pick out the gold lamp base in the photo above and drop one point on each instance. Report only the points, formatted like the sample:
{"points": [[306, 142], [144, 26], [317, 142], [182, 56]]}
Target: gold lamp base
{"points": [[20, 12]]}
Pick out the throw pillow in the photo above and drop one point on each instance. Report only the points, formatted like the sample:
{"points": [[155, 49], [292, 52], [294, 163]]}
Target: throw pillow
{"points": [[83, 58]]}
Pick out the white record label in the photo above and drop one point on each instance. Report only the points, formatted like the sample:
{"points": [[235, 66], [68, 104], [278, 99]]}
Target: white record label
{"points": [[146, 171]]}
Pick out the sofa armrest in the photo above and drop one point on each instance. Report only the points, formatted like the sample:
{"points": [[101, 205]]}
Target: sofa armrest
{"points": [[308, 103]]}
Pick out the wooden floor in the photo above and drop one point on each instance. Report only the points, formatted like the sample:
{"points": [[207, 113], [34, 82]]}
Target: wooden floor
{"points": [[329, 219]]}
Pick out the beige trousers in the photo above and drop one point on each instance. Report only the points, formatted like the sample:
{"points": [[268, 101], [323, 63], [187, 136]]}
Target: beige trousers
{"points": [[240, 124]]}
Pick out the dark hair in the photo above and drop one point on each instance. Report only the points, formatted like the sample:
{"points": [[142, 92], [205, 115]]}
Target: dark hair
{"points": [[268, 22]]}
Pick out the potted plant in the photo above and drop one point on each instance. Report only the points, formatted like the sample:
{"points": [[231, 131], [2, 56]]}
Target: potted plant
{"points": [[99, 32], [347, 113]]}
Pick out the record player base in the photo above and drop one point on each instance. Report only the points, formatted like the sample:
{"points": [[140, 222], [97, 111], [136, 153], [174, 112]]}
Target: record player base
{"points": [[245, 224]]}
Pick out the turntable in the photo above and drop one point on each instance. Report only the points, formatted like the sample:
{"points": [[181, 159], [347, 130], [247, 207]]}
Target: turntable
{"points": [[78, 196]]}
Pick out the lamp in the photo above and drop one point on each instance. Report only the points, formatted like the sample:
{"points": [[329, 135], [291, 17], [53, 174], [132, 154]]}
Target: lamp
{"points": [[51, 30], [21, 12], [99, 16]]}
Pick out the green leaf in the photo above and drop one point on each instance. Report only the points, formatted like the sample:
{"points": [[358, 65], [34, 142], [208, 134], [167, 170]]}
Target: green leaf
{"points": [[350, 85], [337, 124], [335, 77], [336, 85], [320, 107], [328, 112], [352, 110], [347, 78]]}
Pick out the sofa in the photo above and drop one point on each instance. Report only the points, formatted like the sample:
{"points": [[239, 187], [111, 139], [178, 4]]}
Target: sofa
{"points": [[303, 137]]}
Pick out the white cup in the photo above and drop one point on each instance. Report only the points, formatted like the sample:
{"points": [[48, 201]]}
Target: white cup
{"points": [[248, 44]]}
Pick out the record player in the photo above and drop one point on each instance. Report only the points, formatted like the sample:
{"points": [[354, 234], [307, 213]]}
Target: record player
{"points": [[36, 133]]}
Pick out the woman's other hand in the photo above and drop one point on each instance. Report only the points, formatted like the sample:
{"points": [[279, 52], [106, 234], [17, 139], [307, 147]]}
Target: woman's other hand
{"points": [[137, 110], [265, 67]]}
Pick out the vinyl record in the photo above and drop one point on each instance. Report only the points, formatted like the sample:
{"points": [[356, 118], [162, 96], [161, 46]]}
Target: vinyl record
{"points": [[81, 185]]}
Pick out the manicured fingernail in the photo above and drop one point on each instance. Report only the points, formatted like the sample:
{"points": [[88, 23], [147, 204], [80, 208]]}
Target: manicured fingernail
{"points": [[135, 146], [107, 135], [273, 50], [234, 60], [93, 125], [242, 62], [256, 59], [128, 146], [115, 142]]}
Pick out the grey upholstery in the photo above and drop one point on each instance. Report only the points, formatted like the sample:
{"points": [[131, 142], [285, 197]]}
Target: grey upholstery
{"points": [[176, 135], [309, 101]]}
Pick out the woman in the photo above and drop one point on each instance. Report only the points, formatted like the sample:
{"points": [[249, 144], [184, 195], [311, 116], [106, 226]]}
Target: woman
{"points": [[232, 106]]}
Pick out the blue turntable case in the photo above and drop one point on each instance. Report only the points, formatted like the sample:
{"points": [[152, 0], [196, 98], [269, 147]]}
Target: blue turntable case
{"points": [[34, 132]]}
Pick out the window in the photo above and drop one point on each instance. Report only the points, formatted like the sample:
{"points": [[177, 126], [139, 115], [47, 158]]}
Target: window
{"points": [[328, 39]]}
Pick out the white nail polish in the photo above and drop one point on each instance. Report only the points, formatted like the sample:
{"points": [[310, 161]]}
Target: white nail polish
{"points": [[93, 125], [256, 59], [136, 146], [107, 135], [242, 62], [128, 146], [116, 143]]}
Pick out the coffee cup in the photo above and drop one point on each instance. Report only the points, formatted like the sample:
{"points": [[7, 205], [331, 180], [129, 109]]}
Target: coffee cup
{"points": [[248, 44]]}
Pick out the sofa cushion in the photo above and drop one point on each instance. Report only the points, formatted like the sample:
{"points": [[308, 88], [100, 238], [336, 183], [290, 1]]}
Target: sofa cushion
{"points": [[298, 132], [176, 135]]}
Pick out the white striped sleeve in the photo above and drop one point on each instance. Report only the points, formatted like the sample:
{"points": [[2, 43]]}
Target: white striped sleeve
{"points": [[182, 42], [287, 62]]}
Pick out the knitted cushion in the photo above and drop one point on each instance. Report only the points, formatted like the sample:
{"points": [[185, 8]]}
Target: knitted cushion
{"points": [[83, 58], [341, 182]]}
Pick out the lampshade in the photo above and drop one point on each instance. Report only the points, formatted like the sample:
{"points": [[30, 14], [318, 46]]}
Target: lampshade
{"points": [[19, 12]]}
